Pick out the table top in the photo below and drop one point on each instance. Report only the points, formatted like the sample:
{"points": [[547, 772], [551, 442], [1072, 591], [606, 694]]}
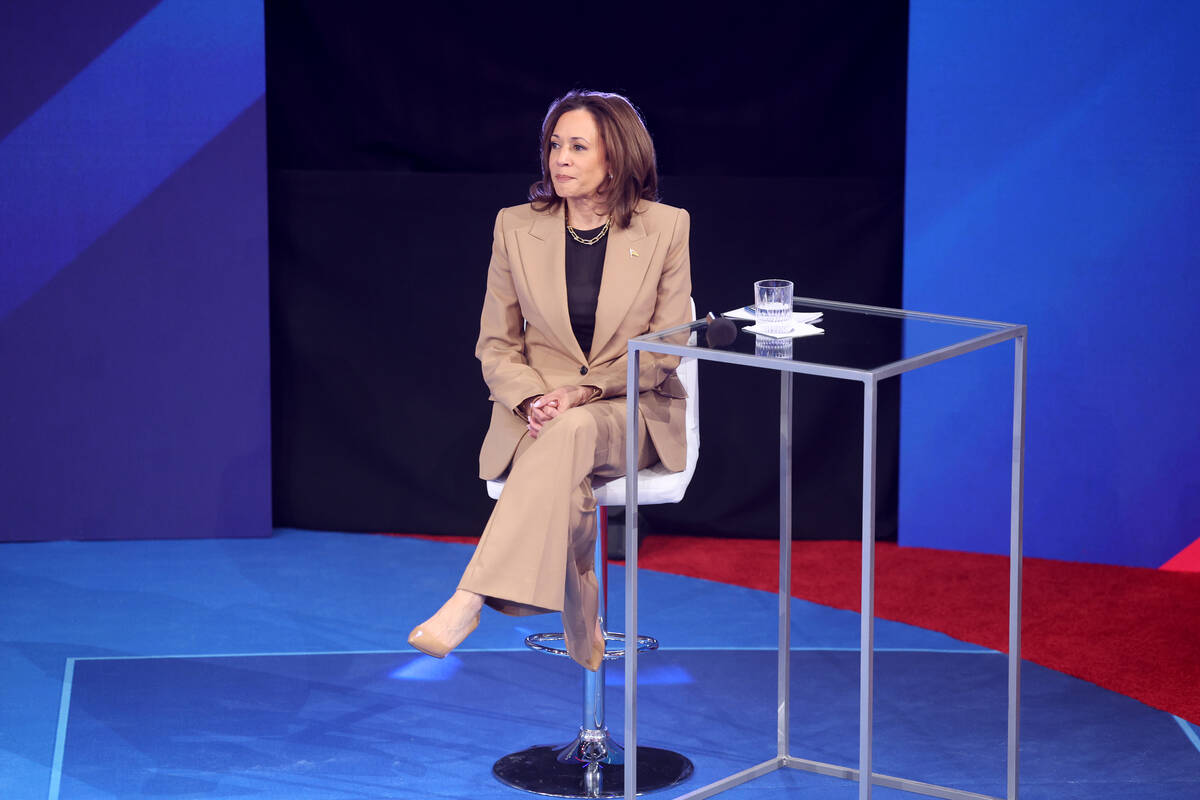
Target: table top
{"points": [[859, 343]]}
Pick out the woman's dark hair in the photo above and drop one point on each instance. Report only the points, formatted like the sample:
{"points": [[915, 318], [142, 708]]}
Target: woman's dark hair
{"points": [[627, 146]]}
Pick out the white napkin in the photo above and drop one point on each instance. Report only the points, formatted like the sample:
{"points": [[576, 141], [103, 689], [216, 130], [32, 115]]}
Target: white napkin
{"points": [[798, 329], [747, 313]]}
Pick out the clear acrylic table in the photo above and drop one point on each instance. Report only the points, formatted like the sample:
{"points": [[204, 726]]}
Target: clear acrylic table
{"points": [[869, 345]]}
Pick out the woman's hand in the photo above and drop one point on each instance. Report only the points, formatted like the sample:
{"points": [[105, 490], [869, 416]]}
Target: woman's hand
{"points": [[540, 414], [555, 402]]}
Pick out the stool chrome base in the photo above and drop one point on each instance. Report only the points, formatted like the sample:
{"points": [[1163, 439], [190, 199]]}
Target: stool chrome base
{"points": [[592, 765]]}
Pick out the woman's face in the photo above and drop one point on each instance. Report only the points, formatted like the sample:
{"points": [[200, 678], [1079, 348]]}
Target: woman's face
{"points": [[577, 162]]}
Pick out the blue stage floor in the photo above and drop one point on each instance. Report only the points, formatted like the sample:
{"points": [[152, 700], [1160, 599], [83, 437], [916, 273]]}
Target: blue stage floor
{"points": [[277, 669]]}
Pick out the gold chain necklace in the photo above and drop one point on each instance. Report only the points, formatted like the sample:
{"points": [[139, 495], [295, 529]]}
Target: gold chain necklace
{"points": [[592, 240]]}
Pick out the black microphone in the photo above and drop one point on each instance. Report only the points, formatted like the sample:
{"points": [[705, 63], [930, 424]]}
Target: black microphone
{"points": [[721, 332]]}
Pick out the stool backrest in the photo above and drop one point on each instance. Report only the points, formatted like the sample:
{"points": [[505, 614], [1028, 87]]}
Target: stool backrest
{"points": [[655, 483]]}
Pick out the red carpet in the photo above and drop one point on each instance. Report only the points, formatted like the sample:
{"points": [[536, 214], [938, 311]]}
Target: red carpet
{"points": [[1134, 631]]}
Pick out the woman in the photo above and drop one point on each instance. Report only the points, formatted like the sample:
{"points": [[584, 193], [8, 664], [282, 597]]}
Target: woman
{"points": [[589, 263]]}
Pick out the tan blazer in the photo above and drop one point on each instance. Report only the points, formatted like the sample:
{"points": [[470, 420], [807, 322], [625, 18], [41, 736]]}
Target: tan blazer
{"points": [[526, 344]]}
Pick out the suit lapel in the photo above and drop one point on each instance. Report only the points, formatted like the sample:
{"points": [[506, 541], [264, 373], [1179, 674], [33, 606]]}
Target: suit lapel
{"points": [[625, 263], [543, 249]]}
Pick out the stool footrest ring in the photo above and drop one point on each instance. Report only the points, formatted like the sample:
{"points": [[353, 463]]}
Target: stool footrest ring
{"points": [[556, 644]]}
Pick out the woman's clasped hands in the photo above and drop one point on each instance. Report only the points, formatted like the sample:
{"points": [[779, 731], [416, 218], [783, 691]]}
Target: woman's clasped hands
{"points": [[553, 403]]}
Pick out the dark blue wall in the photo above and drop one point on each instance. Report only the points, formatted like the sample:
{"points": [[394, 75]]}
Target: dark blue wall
{"points": [[133, 271], [1053, 178]]}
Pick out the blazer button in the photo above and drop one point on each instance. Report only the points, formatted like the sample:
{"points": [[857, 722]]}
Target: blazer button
{"points": [[583, 370]]}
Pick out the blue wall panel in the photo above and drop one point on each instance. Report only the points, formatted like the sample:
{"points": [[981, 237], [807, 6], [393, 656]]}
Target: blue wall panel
{"points": [[58, 39], [1053, 178], [133, 285]]}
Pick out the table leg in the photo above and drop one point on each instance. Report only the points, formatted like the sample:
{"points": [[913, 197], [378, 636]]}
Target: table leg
{"points": [[785, 561], [631, 566], [866, 668], [1015, 551]]}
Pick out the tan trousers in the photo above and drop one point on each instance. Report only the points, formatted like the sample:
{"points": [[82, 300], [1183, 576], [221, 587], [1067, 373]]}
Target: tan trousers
{"points": [[537, 551]]}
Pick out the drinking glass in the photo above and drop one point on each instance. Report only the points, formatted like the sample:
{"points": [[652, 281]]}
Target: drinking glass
{"points": [[773, 305]]}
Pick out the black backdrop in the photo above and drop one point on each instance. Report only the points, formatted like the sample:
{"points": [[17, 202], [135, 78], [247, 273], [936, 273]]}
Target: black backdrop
{"points": [[393, 140]]}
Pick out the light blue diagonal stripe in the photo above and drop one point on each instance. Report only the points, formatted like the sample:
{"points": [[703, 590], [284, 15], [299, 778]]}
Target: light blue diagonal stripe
{"points": [[119, 129], [60, 736], [1188, 731]]}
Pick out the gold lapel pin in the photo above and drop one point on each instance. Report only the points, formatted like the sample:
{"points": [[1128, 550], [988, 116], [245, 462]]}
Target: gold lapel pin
{"points": [[633, 253]]}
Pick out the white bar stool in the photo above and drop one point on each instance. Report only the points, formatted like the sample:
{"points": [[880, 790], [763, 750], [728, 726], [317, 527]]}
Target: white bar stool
{"points": [[593, 763]]}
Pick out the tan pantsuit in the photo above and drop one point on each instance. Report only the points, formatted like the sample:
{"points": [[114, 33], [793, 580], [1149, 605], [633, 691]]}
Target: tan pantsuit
{"points": [[536, 551]]}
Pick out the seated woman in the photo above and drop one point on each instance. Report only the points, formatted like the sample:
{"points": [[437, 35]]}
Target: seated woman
{"points": [[590, 262]]}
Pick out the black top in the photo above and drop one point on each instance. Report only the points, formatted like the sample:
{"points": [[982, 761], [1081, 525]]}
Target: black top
{"points": [[585, 267]]}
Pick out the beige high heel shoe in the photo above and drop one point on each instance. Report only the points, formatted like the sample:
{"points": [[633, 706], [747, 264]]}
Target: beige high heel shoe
{"points": [[434, 638]]}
